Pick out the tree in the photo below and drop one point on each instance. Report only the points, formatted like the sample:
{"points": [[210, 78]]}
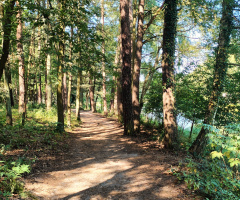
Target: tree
{"points": [[60, 105], [103, 62], [21, 66], [137, 66], [126, 68], [169, 34], [220, 70], [7, 29]]}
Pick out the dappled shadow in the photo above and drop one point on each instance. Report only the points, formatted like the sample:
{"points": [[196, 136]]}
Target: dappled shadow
{"points": [[103, 164]]}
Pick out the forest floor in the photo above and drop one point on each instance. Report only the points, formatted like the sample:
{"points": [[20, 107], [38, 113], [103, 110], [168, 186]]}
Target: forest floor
{"points": [[102, 164]]}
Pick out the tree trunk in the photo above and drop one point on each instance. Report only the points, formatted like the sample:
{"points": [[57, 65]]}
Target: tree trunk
{"points": [[49, 83], [91, 94], [70, 82], [8, 97], [105, 110], [126, 68], [78, 95], [87, 103], [169, 34], [137, 66], [21, 69], [65, 91], [39, 68], [119, 85], [60, 106], [220, 70], [7, 28], [69, 100]]}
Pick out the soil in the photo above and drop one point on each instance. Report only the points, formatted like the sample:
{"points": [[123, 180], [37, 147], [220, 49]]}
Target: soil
{"points": [[102, 164]]}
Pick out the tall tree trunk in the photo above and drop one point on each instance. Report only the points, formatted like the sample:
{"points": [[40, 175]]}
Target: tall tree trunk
{"points": [[49, 83], [119, 85], [105, 110], [39, 68], [69, 99], [220, 70], [169, 34], [7, 29], [78, 95], [21, 69], [126, 68], [87, 103], [70, 82], [60, 106], [91, 94], [137, 66], [8, 97], [65, 91]]}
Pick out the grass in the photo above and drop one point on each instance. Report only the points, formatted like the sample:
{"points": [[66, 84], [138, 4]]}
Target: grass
{"points": [[21, 147]]}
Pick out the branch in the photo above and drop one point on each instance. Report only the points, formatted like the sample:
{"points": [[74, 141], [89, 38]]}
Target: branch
{"points": [[235, 64], [149, 39], [154, 17]]}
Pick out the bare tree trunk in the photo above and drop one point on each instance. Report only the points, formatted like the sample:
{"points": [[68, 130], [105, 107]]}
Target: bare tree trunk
{"points": [[126, 68], [39, 68], [137, 67], [87, 103], [119, 86], [70, 81], [8, 97], [7, 29], [169, 34], [69, 99], [21, 69], [78, 95], [65, 91], [220, 70], [91, 94], [105, 110], [49, 83], [60, 106]]}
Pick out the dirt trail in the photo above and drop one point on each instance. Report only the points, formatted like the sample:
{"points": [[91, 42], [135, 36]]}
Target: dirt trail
{"points": [[103, 164]]}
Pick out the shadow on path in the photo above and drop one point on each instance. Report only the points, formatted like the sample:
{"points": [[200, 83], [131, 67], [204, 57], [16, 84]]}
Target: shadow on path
{"points": [[103, 164]]}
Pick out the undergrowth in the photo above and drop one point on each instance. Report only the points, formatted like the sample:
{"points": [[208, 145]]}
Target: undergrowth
{"points": [[21, 146], [217, 174]]}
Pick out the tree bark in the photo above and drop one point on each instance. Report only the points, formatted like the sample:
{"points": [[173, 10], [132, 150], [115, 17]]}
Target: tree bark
{"points": [[70, 82], [126, 68], [78, 95], [39, 68], [220, 70], [91, 94], [169, 34], [49, 83], [137, 67], [8, 97], [60, 106], [105, 109], [7, 29], [21, 67], [65, 91]]}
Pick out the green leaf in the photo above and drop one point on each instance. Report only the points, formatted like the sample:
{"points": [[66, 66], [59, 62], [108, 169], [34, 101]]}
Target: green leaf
{"points": [[216, 154]]}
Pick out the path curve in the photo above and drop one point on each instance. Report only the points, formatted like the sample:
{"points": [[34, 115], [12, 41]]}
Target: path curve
{"points": [[103, 164]]}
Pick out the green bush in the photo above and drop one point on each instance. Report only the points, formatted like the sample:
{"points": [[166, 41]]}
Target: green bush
{"points": [[216, 175]]}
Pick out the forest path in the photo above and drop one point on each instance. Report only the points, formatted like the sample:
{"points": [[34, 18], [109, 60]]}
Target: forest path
{"points": [[103, 164]]}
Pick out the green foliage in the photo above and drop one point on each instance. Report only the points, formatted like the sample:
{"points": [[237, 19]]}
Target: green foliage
{"points": [[216, 175], [38, 135], [10, 174]]}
